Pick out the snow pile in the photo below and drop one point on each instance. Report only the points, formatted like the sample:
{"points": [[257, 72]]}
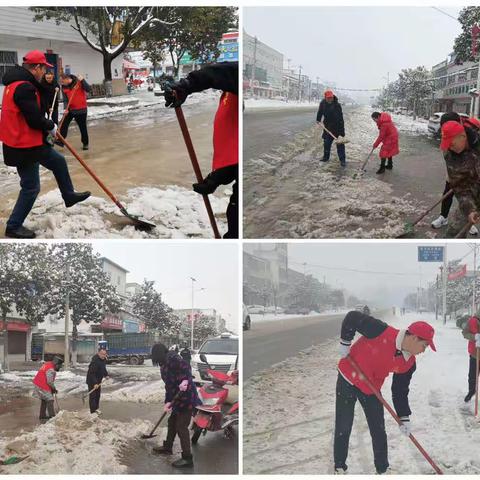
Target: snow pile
{"points": [[176, 211], [269, 317], [144, 392], [408, 124], [73, 443], [290, 410], [266, 104]]}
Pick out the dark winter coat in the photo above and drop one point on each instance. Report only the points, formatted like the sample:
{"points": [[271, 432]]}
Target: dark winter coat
{"points": [[186, 355], [49, 91], [26, 100], [220, 76], [332, 116], [464, 173], [387, 136], [377, 356], [174, 371], [97, 370], [84, 85]]}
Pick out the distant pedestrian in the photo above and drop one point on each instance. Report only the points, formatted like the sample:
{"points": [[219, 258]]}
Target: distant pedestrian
{"points": [[471, 332], [177, 376], [45, 389], [97, 371], [331, 115], [75, 91], [388, 137], [50, 84]]}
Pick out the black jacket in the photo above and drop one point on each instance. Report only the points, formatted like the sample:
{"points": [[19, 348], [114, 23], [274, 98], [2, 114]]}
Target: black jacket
{"points": [[220, 76], [185, 354], [26, 101], [49, 91], [97, 370], [332, 116]]}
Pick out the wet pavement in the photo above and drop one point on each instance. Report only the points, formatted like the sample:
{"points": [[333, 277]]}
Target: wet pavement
{"points": [[289, 193], [141, 147]]}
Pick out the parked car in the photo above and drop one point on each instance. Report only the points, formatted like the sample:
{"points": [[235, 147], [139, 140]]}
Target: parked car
{"points": [[256, 309], [247, 323], [296, 310], [434, 123], [362, 308], [273, 309]]}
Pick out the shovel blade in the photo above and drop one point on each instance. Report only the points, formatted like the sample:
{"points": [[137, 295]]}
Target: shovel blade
{"points": [[146, 437], [138, 223]]}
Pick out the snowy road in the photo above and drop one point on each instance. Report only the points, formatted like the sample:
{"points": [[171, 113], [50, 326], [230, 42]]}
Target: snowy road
{"points": [[289, 194], [141, 157], [294, 435]]}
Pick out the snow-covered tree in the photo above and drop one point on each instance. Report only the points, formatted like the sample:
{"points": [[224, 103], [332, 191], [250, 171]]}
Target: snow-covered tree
{"points": [[148, 305], [468, 18], [107, 30]]}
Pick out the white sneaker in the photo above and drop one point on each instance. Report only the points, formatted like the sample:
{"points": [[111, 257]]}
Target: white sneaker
{"points": [[473, 230], [339, 471], [440, 222]]}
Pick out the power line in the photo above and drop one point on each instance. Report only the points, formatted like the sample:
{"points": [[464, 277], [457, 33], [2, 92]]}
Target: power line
{"points": [[445, 13]]}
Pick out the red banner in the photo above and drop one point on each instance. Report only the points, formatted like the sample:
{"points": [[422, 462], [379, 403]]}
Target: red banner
{"points": [[475, 32], [458, 274], [16, 326]]}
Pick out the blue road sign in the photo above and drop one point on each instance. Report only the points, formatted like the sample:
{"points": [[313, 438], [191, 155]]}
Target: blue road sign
{"points": [[430, 254]]}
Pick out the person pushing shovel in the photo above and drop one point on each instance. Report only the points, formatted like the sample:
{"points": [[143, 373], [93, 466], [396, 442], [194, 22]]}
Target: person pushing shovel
{"points": [[388, 137], [97, 371], [471, 333], [330, 111], [45, 390], [181, 398], [381, 350]]}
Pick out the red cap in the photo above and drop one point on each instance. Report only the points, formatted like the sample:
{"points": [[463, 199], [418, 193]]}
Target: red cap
{"points": [[450, 130], [424, 331], [36, 57], [328, 94]]}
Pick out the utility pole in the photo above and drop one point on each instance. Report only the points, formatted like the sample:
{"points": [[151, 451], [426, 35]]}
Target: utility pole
{"points": [[299, 84], [254, 67], [318, 90], [67, 315], [192, 315], [445, 274]]}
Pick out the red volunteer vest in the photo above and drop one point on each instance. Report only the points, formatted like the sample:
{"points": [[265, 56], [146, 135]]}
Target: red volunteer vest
{"points": [[225, 132], [376, 358], [14, 129], [78, 96], [473, 327], [40, 379]]}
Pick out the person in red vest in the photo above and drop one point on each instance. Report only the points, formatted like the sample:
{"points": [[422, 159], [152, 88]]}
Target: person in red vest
{"points": [[220, 76], [75, 91], [388, 137], [381, 350], [44, 382], [24, 130], [472, 334]]}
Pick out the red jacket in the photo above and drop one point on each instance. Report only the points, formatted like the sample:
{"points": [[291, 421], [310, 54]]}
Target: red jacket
{"points": [[225, 132], [14, 129], [78, 96], [377, 358], [388, 136], [40, 379], [473, 328]]}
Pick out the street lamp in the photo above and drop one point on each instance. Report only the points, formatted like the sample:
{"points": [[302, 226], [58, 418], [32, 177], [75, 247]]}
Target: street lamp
{"points": [[192, 314]]}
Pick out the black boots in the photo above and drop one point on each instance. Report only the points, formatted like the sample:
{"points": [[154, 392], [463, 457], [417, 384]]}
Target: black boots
{"points": [[324, 159], [469, 396], [185, 462], [19, 232], [76, 197], [382, 167], [389, 164], [165, 449]]}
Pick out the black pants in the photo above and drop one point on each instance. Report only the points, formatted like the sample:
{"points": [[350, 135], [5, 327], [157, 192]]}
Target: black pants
{"points": [[81, 119], [94, 398], [46, 405], [232, 214], [472, 374], [447, 202], [346, 398], [178, 424]]}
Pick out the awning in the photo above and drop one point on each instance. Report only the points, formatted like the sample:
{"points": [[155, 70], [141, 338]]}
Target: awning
{"points": [[130, 66]]}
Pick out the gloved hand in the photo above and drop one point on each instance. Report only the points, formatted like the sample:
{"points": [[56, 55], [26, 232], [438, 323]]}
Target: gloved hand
{"points": [[167, 407], [54, 390], [97, 385], [53, 131], [207, 186], [477, 340], [406, 426], [183, 386], [344, 348], [176, 93]]}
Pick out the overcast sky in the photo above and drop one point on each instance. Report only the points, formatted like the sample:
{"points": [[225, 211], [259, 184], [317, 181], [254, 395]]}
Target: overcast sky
{"points": [[356, 46], [399, 257], [213, 265]]}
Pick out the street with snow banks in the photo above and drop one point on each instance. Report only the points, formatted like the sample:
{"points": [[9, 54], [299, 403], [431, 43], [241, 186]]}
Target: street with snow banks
{"points": [[78, 442], [289, 193], [289, 411]]}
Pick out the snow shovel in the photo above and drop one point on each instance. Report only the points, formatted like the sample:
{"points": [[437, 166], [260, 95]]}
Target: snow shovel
{"points": [[65, 112], [50, 139], [364, 164], [409, 227], [13, 460], [196, 167], [476, 382], [464, 230], [377, 393], [339, 140], [56, 402], [85, 395], [139, 224], [164, 414]]}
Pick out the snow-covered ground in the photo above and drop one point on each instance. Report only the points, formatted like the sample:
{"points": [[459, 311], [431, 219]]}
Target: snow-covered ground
{"points": [[176, 212], [271, 317], [72, 443], [265, 103], [408, 124], [289, 413]]}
